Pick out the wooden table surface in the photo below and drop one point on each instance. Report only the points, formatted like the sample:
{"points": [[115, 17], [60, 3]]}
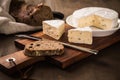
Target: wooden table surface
{"points": [[104, 66]]}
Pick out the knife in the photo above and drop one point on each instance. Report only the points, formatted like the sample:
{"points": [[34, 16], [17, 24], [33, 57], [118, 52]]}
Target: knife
{"points": [[92, 51]]}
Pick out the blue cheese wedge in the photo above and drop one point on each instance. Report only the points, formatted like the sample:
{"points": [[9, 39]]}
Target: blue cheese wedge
{"points": [[99, 17], [54, 28], [80, 35]]}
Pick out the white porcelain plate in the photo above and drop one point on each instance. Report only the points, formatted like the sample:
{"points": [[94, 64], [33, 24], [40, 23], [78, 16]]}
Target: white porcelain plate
{"points": [[96, 31]]}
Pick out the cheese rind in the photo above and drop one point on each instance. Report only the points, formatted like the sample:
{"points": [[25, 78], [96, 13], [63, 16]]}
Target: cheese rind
{"points": [[80, 35], [103, 18], [54, 28]]}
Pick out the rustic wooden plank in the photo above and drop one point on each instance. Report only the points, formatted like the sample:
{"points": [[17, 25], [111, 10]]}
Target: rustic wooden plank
{"points": [[71, 55], [21, 61]]}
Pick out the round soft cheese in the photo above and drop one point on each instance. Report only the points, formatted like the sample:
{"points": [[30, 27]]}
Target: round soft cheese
{"points": [[103, 18]]}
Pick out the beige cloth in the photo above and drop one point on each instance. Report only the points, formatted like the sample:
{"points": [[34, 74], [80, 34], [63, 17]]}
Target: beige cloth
{"points": [[8, 25]]}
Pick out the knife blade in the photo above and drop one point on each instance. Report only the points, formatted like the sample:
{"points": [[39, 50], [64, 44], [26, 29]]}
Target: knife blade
{"points": [[92, 51]]}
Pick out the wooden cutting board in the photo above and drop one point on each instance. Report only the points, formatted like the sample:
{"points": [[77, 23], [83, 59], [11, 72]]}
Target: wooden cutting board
{"points": [[71, 55], [21, 61]]}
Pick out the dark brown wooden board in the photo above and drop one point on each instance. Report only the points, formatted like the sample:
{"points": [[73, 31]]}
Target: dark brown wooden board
{"points": [[21, 61], [71, 55]]}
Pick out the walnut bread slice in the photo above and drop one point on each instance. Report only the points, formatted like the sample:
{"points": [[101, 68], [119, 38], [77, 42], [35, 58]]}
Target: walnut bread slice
{"points": [[44, 48]]}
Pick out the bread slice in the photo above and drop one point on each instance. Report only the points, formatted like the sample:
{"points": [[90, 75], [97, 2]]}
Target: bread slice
{"points": [[44, 48]]}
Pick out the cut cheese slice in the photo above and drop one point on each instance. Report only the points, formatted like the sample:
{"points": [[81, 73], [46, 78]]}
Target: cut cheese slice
{"points": [[80, 35], [54, 28]]}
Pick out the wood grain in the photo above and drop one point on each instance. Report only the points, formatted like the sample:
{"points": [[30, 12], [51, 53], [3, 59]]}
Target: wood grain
{"points": [[71, 55], [21, 61]]}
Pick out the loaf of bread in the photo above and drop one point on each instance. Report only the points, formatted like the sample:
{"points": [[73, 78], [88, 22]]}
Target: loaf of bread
{"points": [[30, 14], [44, 48]]}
